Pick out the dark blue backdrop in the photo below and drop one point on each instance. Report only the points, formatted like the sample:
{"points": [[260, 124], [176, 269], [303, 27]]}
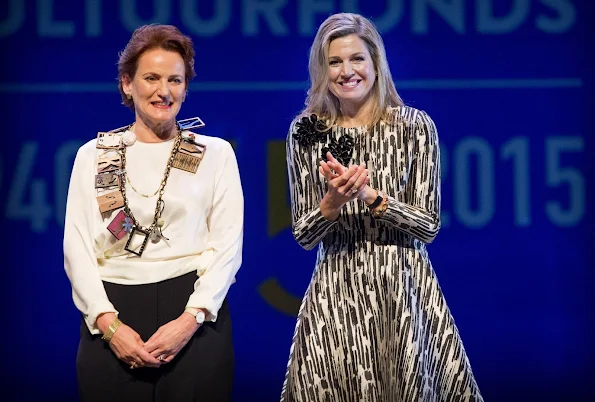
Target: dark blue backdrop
{"points": [[507, 82]]}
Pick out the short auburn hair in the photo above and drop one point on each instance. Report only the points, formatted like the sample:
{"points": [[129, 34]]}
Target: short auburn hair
{"points": [[152, 36]]}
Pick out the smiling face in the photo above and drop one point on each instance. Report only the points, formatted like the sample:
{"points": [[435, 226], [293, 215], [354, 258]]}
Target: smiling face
{"points": [[158, 87], [351, 70]]}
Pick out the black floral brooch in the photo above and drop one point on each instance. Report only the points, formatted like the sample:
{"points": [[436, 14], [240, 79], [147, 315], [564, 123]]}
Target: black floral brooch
{"points": [[311, 131]]}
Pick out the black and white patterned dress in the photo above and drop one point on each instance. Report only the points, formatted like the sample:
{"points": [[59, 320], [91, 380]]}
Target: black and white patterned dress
{"points": [[374, 325]]}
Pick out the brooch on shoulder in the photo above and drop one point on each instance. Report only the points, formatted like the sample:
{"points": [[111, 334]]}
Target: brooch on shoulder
{"points": [[312, 130]]}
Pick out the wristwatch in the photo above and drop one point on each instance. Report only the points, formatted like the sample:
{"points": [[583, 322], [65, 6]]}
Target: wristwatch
{"points": [[378, 200], [198, 314]]}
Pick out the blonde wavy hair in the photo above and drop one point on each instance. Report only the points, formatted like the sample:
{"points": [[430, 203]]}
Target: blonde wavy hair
{"points": [[320, 100]]}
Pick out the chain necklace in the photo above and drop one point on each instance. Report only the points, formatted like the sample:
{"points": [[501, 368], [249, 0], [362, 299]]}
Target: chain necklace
{"points": [[138, 192], [160, 204]]}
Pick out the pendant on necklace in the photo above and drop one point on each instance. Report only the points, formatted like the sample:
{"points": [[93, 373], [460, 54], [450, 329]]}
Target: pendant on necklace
{"points": [[109, 161], [107, 180], [137, 241], [110, 201], [155, 237], [108, 141], [129, 138], [120, 225], [189, 156], [156, 234]]}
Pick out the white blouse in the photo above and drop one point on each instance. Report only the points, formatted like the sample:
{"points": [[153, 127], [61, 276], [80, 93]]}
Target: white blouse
{"points": [[203, 214]]}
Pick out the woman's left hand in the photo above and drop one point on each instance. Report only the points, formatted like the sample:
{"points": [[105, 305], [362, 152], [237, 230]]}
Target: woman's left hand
{"points": [[170, 338], [333, 168]]}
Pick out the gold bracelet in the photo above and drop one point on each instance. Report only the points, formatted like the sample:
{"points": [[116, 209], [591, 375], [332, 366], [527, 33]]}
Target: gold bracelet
{"points": [[380, 209], [111, 330]]}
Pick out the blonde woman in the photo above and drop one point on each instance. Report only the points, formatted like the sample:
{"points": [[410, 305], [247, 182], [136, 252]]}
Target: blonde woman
{"points": [[364, 172]]}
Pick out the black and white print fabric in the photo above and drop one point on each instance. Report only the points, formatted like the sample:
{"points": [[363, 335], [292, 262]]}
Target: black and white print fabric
{"points": [[373, 324]]}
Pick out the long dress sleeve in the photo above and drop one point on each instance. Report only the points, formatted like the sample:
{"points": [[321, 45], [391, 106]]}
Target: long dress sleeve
{"points": [[419, 215], [80, 262], [308, 224], [225, 237]]}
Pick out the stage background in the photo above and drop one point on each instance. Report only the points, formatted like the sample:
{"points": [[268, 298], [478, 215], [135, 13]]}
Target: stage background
{"points": [[508, 84]]}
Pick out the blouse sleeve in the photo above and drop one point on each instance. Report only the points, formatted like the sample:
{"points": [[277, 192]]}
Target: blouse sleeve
{"points": [[419, 215], [225, 237], [308, 224], [80, 262]]}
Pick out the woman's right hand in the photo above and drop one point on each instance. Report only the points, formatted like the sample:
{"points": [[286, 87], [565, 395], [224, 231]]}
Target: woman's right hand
{"points": [[127, 344], [342, 188]]}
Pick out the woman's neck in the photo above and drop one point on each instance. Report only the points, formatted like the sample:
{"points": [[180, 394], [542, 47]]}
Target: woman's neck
{"points": [[147, 132], [354, 115]]}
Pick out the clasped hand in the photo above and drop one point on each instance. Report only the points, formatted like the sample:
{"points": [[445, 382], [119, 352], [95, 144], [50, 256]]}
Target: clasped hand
{"points": [[344, 184], [161, 348]]}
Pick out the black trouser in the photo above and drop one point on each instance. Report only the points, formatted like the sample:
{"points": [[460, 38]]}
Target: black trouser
{"points": [[202, 370]]}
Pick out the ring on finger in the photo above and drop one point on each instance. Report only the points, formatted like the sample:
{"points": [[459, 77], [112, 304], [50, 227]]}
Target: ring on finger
{"points": [[354, 190], [133, 366], [161, 358]]}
